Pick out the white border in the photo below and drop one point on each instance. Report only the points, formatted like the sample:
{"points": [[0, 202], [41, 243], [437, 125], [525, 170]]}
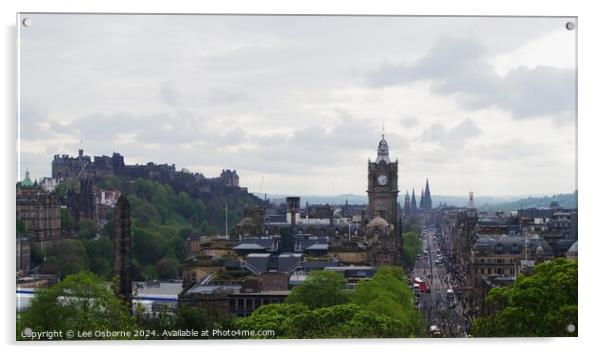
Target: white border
{"points": [[588, 145]]}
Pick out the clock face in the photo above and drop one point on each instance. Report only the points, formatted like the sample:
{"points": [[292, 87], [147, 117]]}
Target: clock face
{"points": [[382, 180]]}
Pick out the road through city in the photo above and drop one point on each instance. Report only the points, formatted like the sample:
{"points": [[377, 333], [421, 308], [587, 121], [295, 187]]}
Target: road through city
{"points": [[439, 308]]}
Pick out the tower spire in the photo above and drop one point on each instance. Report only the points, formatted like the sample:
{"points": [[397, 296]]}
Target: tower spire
{"points": [[428, 204], [383, 151], [406, 204]]}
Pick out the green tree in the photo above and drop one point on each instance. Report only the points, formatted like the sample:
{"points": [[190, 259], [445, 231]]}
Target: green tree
{"points": [[185, 232], [321, 289], [37, 254], [543, 304], [109, 182], [65, 258], [143, 212], [338, 321], [272, 317], [100, 256], [167, 268], [109, 228], [387, 294], [177, 247], [192, 317], [79, 302], [184, 205], [412, 245], [148, 246], [67, 222], [86, 229]]}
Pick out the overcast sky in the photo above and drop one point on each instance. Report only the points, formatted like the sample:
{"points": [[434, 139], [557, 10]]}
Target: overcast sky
{"points": [[474, 104]]}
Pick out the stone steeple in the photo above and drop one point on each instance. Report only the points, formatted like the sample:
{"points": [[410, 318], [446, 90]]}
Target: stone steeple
{"points": [[413, 202], [428, 203], [382, 153]]}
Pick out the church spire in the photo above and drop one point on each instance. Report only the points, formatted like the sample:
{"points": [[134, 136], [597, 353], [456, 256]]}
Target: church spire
{"points": [[428, 203], [406, 204], [422, 199]]}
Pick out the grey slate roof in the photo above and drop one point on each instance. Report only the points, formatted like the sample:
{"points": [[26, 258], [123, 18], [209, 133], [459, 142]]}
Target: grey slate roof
{"points": [[249, 246], [509, 245], [318, 247]]}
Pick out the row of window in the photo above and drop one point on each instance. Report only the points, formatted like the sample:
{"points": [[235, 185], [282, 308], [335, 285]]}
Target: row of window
{"points": [[498, 271], [495, 260]]}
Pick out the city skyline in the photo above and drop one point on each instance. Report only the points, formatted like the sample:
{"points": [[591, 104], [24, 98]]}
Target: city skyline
{"points": [[483, 105]]}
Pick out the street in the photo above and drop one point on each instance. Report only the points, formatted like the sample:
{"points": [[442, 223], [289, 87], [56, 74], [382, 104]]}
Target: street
{"points": [[438, 308]]}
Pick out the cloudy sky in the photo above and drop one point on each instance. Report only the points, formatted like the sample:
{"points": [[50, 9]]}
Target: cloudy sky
{"points": [[474, 104]]}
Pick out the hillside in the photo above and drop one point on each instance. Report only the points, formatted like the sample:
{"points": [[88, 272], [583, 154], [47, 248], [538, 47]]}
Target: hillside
{"points": [[482, 202], [563, 200]]}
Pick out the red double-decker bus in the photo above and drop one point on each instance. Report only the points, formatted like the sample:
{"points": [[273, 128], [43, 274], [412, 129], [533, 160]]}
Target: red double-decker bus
{"points": [[424, 288]]}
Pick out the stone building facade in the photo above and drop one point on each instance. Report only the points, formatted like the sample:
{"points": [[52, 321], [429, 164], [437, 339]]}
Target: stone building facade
{"points": [[40, 213]]}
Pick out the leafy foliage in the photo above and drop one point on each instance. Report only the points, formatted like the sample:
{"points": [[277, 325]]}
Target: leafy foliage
{"points": [[65, 258], [37, 254], [387, 294], [321, 289], [412, 245], [167, 268], [380, 307], [162, 219], [540, 305], [79, 302], [100, 256]]}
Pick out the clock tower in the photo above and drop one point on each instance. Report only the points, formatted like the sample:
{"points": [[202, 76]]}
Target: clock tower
{"points": [[382, 186]]}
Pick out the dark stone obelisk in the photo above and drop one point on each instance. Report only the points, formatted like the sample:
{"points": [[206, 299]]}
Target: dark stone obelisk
{"points": [[122, 249]]}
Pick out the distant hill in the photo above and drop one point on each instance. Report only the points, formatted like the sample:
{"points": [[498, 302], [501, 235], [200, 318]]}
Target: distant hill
{"points": [[563, 200], [482, 202]]}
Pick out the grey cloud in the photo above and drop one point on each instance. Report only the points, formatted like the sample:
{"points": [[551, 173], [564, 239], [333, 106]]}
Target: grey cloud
{"points": [[458, 66], [34, 122], [512, 149], [454, 137], [409, 122], [219, 96], [178, 127], [235, 91], [170, 95]]}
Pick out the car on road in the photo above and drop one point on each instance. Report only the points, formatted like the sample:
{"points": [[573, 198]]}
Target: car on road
{"points": [[435, 331], [451, 305], [416, 289]]}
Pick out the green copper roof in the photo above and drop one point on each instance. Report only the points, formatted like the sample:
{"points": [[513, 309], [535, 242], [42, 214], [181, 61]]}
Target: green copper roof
{"points": [[26, 181]]}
